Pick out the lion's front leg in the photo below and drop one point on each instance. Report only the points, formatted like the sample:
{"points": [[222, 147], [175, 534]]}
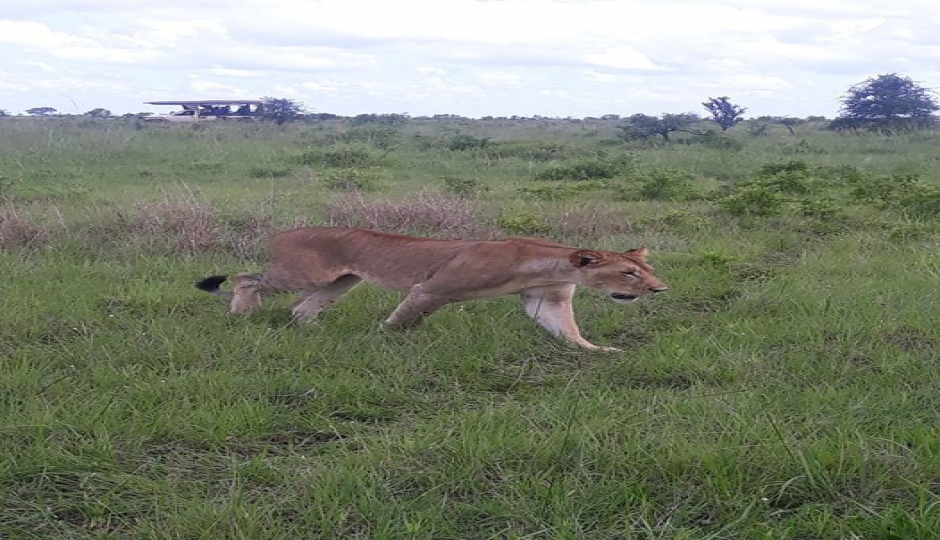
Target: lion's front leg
{"points": [[414, 308], [551, 307]]}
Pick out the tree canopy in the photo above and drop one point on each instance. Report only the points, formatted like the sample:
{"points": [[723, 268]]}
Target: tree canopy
{"points": [[724, 113], [98, 113], [41, 111], [642, 126], [281, 110], [887, 103]]}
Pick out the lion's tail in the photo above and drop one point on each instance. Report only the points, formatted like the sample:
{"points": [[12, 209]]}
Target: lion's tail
{"points": [[211, 286]]}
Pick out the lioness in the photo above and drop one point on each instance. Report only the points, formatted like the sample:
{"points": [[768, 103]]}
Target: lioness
{"points": [[324, 263]]}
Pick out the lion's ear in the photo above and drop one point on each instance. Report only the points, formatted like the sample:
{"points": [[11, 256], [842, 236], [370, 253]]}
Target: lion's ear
{"points": [[640, 253], [586, 257]]}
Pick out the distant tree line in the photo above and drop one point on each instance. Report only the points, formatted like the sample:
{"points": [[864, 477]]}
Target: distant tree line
{"points": [[888, 104]]}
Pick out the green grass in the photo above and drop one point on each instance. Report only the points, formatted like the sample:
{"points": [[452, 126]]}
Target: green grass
{"points": [[784, 388]]}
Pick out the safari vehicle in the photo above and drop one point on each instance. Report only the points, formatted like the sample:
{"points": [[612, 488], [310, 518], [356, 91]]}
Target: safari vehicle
{"points": [[209, 109]]}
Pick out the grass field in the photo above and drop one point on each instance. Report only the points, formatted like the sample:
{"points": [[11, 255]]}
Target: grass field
{"points": [[786, 387]]}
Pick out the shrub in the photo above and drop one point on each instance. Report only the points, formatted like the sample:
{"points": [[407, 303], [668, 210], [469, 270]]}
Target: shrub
{"points": [[717, 141], [184, 225], [430, 213], [466, 142], [383, 137], [776, 184], [591, 223], [819, 208], [587, 169], [528, 150], [667, 185], [207, 166], [884, 191], [839, 174], [802, 147], [6, 185], [522, 224], [559, 192], [923, 201], [753, 199], [793, 166], [912, 231], [16, 231], [464, 187], [351, 179], [674, 219], [341, 156], [791, 177], [713, 257], [268, 171]]}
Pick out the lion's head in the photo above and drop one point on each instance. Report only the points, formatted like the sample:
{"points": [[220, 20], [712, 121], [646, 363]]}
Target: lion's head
{"points": [[625, 276]]}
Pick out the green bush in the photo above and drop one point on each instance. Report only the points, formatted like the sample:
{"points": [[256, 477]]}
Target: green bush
{"points": [[912, 231], [585, 169], [923, 201], [792, 166], [802, 147], [713, 257], [666, 185], [464, 187], [6, 185], [819, 208], [753, 200], [351, 179], [529, 150], [718, 141], [383, 137], [674, 220], [341, 156], [522, 224], [462, 143], [884, 191], [268, 171], [791, 177], [560, 192], [207, 166]]}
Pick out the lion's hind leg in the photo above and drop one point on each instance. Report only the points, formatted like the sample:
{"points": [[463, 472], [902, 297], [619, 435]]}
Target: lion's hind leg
{"points": [[313, 301], [414, 308], [246, 295]]}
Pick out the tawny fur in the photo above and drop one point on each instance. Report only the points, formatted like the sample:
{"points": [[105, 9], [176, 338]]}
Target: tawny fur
{"points": [[324, 263]]}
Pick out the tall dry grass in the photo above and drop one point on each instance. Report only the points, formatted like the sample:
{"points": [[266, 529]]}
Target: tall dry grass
{"points": [[429, 213]]}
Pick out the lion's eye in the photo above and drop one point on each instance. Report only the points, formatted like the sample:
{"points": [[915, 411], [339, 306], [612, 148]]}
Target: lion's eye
{"points": [[630, 273]]}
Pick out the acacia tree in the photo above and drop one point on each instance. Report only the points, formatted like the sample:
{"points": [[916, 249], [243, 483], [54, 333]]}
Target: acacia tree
{"points": [[724, 113], [41, 111], [764, 122], [886, 103], [98, 113], [643, 126], [281, 110], [789, 122]]}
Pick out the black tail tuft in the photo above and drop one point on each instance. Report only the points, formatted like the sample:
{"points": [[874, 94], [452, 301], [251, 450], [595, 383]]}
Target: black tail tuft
{"points": [[211, 283]]}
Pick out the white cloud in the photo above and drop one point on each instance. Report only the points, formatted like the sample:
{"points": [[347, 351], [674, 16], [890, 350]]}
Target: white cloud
{"points": [[600, 76], [622, 58], [216, 88], [228, 72], [500, 78], [32, 34], [584, 57], [430, 70]]}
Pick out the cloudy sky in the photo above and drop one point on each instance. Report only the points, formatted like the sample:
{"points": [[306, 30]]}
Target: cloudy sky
{"points": [[469, 57]]}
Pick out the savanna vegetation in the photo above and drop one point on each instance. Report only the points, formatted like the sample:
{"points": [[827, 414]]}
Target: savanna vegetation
{"points": [[784, 388]]}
